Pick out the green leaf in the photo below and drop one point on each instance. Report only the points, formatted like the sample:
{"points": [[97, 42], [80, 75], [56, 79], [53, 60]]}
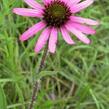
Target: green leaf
{"points": [[2, 99]]}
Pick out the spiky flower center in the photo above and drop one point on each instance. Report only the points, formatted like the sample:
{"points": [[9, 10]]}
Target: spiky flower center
{"points": [[56, 13]]}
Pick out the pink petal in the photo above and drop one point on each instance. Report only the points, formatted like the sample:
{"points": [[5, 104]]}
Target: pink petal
{"points": [[83, 28], [78, 7], [66, 36], [33, 4], [46, 1], [27, 12], [84, 20], [78, 34], [32, 31], [53, 40], [42, 40], [72, 2]]}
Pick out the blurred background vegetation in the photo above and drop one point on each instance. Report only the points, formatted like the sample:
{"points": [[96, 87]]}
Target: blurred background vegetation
{"points": [[75, 77]]}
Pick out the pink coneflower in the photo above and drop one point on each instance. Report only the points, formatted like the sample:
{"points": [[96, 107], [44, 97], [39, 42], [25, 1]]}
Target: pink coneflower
{"points": [[57, 16]]}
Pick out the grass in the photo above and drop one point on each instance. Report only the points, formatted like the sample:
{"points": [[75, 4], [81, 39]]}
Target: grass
{"points": [[83, 66]]}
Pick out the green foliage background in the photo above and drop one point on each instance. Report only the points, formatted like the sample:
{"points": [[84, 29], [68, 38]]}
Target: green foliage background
{"points": [[83, 66]]}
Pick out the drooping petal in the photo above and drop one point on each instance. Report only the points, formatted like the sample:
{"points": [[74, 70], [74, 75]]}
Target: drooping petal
{"points": [[73, 2], [33, 4], [53, 40], [84, 20], [66, 36], [78, 34], [78, 7], [42, 40], [46, 1], [83, 28], [32, 31], [27, 12]]}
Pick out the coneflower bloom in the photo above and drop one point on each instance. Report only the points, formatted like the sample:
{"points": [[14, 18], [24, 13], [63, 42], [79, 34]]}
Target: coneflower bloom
{"points": [[57, 16]]}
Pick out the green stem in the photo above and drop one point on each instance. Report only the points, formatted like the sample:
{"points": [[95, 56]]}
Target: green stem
{"points": [[37, 84]]}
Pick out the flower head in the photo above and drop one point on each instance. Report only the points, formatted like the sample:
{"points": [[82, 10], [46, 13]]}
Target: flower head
{"points": [[57, 16]]}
